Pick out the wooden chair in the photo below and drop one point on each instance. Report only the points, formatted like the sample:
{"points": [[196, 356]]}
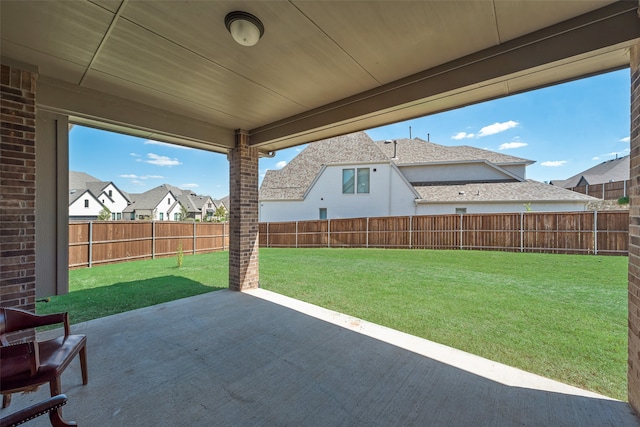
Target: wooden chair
{"points": [[50, 406], [25, 366]]}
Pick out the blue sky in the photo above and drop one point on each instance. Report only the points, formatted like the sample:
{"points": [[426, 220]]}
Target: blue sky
{"points": [[565, 128]]}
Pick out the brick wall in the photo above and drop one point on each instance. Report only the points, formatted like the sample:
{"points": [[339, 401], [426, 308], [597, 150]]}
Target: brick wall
{"points": [[633, 372], [17, 188], [243, 215]]}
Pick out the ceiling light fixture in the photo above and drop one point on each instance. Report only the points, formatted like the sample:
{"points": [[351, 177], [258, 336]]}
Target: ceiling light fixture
{"points": [[245, 28]]}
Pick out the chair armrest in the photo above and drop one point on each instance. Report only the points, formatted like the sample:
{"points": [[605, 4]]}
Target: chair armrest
{"points": [[34, 411], [19, 358], [17, 319]]}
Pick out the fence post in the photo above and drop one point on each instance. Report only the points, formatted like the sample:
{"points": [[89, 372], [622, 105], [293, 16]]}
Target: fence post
{"points": [[521, 231], [194, 237], [296, 234], [411, 232], [367, 241], [90, 243], [461, 231], [624, 188], [224, 235], [328, 233], [603, 186], [153, 240], [595, 232]]}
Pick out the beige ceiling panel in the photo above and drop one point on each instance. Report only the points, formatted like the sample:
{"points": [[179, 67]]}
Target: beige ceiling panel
{"points": [[517, 18], [403, 38], [155, 65], [47, 64], [67, 30], [109, 84], [110, 5], [294, 58]]}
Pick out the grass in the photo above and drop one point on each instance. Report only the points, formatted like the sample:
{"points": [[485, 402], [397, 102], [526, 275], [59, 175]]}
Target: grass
{"points": [[560, 316]]}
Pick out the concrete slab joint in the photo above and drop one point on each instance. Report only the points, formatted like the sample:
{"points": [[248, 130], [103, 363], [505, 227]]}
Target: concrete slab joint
{"points": [[243, 216]]}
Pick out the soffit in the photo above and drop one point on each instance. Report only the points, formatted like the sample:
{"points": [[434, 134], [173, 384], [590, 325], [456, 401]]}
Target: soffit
{"points": [[177, 58]]}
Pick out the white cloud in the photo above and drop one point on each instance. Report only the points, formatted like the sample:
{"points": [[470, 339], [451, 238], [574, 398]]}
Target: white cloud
{"points": [[135, 182], [462, 135], [625, 139], [189, 186], [158, 160], [152, 177], [511, 145], [131, 176], [165, 144], [595, 158], [281, 164], [554, 163], [497, 128], [134, 154]]}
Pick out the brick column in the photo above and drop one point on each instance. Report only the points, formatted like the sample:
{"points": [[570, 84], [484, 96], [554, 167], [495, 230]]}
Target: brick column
{"points": [[17, 188], [243, 215], [633, 373]]}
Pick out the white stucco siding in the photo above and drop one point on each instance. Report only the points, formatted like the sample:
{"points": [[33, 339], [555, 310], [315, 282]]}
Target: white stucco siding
{"points": [[517, 170], [162, 209], [85, 206], [452, 173], [388, 195], [501, 207]]}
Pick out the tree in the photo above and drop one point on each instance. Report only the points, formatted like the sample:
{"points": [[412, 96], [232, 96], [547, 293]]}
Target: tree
{"points": [[220, 214], [105, 214], [184, 213]]}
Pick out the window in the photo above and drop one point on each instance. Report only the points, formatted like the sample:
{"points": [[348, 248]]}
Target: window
{"points": [[176, 216], [161, 216], [323, 213], [352, 181], [363, 180], [113, 215], [133, 215], [119, 215], [209, 205], [348, 181], [86, 203], [169, 201], [461, 210], [110, 193]]}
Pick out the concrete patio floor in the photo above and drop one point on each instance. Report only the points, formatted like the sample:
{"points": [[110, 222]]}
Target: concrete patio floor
{"points": [[258, 358]]}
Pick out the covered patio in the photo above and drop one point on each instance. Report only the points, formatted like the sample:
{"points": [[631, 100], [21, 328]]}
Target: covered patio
{"points": [[170, 71], [259, 358]]}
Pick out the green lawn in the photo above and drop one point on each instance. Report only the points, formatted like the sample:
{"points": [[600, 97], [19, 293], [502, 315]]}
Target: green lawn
{"points": [[561, 316]]}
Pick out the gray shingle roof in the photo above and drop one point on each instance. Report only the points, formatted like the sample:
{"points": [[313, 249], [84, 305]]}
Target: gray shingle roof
{"points": [[149, 199], [411, 151], [292, 181], [526, 191], [610, 170]]}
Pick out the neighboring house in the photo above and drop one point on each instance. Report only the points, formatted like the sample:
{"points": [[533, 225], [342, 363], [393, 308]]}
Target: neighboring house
{"points": [[88, 196], [155, 204], [352, 176], [609, 171], [166, 203]]}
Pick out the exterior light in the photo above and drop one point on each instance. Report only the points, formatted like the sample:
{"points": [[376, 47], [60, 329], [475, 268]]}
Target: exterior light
{"points": [[245, 28]]}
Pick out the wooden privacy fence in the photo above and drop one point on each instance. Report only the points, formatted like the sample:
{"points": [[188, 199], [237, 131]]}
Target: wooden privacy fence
{"points": [[607, 191], [99, 242], [598, 233]]}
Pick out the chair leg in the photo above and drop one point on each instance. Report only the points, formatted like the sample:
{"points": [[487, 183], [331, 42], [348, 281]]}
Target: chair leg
{"points": [[55, 417], [6, 400], [54, 386], [83, 365]]}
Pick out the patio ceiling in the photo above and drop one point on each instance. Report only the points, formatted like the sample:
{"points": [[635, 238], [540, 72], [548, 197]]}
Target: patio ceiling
{"points": [[170, 70]]}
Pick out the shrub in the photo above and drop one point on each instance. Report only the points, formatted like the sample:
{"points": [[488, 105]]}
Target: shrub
{"points": [[623, 200]]}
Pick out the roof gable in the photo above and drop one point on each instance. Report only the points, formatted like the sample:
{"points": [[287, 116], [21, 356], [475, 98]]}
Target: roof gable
{"points": [[607, 171], [293, 181]]}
